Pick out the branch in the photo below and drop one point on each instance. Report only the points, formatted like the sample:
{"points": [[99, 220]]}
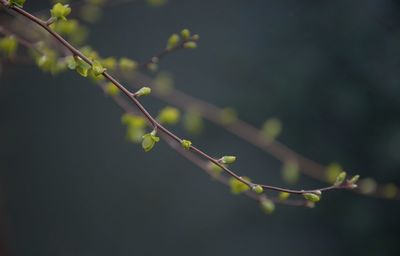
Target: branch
{"points": [[156, 125]]}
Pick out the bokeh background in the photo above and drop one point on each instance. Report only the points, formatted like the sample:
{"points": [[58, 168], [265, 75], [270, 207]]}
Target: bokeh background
{"points": [[330, 70]]}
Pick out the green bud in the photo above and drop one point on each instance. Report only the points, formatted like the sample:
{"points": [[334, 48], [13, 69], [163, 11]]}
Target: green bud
{"points": [[144, 91], [332, 171], [60, 11], [283, 196], [340, 178], [195, 37], [271, 129], [312, 197], [354, 179], [97, 68], [173, 41], [127, 65], [70, 61], [111, 89], [257, 189], [185, 33], [267, 206], [169, 115], [149, 140], [290, 172], [238, 186], [186, 144], [82, 67], [8, 45], [228, 159], [18, 3], [190, 45]]}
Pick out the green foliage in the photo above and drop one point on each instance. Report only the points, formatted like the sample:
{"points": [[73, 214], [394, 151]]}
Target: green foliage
{"points": [[133, 120], [186, 144], [185, 33], [271, 129], [340, 179], [354, 180], [227, 116], [149, 140], [109, 63], [190, 45], [111, 89], [18, 3], [290, 172], [313, 197], [332, 171], [156, 3], [169, 116], [60, 11], [215, 168], [163, 83], [81, 66], [127, 65], [228, 159], [193, 122], [8, 45], [144, 91], [283, 196], [97, 68], [267, 206], [238, 186], [71, 29], [257, 189], [173, 41]]}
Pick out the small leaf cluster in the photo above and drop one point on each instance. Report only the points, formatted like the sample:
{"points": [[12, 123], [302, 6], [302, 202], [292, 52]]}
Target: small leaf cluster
{"points": [[60, 11], [184, 39], [8, 46]]}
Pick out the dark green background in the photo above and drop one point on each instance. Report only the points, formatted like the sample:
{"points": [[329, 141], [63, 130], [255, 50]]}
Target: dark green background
{"points": [[330, 70]]}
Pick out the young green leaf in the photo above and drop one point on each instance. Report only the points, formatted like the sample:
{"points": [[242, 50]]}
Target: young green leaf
{"points": [[18, 3], [82, 67], [149, 140], [60, 11], [257, 189], [186, 144], [98, 69], [238, 186]]}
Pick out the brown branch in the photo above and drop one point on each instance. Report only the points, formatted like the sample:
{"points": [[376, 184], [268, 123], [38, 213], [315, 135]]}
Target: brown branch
{"points": [[133, 98]]}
